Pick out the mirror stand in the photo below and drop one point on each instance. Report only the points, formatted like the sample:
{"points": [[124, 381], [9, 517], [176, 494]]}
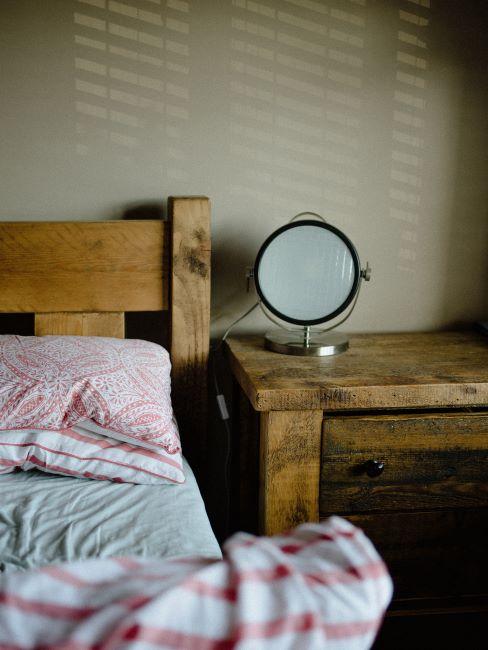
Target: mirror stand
{"points": [[308, 273], [306, 342]]}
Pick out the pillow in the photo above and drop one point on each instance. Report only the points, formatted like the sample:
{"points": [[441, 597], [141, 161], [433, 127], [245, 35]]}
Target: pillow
{"points": [[116, 387], [87, 455]]}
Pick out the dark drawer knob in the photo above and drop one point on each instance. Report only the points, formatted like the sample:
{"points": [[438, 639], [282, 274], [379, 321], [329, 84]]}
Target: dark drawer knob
{"points": [[374, 468]]}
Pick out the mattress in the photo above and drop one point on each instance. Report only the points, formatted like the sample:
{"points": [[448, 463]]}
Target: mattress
{"points": [[47, 519]]}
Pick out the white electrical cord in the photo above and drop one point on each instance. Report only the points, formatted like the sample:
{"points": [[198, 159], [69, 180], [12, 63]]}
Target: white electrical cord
{"points": [[238, 320]]}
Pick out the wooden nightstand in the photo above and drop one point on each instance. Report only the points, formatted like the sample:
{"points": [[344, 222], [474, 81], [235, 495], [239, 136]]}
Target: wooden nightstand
{"points": [[393, 434]]}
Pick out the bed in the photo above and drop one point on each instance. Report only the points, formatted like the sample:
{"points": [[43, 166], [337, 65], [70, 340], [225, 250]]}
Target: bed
{"points": [[91, 563], [85, 278]]}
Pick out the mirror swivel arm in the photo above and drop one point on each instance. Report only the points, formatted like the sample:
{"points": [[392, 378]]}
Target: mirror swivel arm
{"points": [[306, 213], [366, 272], [249, 277]]}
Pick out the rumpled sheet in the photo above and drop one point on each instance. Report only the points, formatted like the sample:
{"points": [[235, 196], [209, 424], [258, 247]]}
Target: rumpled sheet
{"points": [[46, 518], [321, 586]]}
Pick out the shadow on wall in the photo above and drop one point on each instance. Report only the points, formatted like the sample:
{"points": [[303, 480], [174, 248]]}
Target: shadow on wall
{"points": [[230, 259], [145, 210], [467, 258]]}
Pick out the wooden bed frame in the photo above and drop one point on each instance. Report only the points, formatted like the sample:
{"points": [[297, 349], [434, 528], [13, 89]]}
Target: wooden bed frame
{"points": [[80, 277]]}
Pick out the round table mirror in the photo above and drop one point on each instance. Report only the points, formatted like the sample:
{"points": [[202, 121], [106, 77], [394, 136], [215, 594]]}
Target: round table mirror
{"points": [[307, 273]]}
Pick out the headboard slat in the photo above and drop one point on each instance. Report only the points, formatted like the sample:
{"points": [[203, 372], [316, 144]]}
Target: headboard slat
{"points": [[83, 266], [190, 321], [107, 323]]}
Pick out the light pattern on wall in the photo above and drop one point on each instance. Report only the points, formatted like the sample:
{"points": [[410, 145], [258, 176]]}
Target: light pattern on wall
{"points": [[301, 86], [296, 84], [408, 142], [132, 67]]}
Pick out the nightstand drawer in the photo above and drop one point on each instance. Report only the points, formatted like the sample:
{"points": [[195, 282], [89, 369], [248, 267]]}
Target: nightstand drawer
{"points": [[432, 554], [404, 462]]}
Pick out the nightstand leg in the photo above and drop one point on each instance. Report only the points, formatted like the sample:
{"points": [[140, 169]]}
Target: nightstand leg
{"points": [[290, 446]]}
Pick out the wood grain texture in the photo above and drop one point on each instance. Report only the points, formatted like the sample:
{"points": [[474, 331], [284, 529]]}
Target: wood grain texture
{"points": [[110, 324], [431, 461], [432, 554], [190, 320], [82, 266], [289, 469], [379, 371]]}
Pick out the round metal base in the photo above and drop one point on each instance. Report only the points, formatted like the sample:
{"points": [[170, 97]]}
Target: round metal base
{"points": [[320, 345]]}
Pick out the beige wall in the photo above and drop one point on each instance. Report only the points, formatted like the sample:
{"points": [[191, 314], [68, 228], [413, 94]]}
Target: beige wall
{"points": [[371, 112]]}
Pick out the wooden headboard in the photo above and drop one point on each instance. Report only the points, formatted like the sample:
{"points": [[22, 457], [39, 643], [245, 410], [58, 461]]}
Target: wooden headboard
{"points": [[81, 277]]}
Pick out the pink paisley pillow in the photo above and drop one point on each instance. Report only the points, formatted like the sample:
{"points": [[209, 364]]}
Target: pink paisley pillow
{"points": [[116, 387]]}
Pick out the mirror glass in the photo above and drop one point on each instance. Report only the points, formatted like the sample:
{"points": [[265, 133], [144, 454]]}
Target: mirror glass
{"points": [[306, 272]]}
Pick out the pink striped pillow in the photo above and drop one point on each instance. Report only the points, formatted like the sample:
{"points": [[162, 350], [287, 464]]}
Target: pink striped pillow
{"points": [[116, 387], [87, 455]]}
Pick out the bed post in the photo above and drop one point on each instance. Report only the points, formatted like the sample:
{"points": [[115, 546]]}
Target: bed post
{"points": [[189, 300]]}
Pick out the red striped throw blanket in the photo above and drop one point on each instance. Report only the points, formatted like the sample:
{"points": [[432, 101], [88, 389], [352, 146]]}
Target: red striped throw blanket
{"points": [[319, 586]]}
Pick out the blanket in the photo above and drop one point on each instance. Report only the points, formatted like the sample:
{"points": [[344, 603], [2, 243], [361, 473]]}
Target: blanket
{"points": [[320, 586]]}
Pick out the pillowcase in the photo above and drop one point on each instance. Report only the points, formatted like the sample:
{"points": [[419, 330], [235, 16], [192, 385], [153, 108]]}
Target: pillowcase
{"points": [[116, 387], [87, 455]]}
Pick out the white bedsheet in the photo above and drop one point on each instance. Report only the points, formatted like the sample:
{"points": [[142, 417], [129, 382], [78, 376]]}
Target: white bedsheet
{"points": [[46, 518]]}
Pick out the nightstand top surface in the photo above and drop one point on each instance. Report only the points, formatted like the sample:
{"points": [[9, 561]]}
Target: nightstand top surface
{"points": [[397, 371]]}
